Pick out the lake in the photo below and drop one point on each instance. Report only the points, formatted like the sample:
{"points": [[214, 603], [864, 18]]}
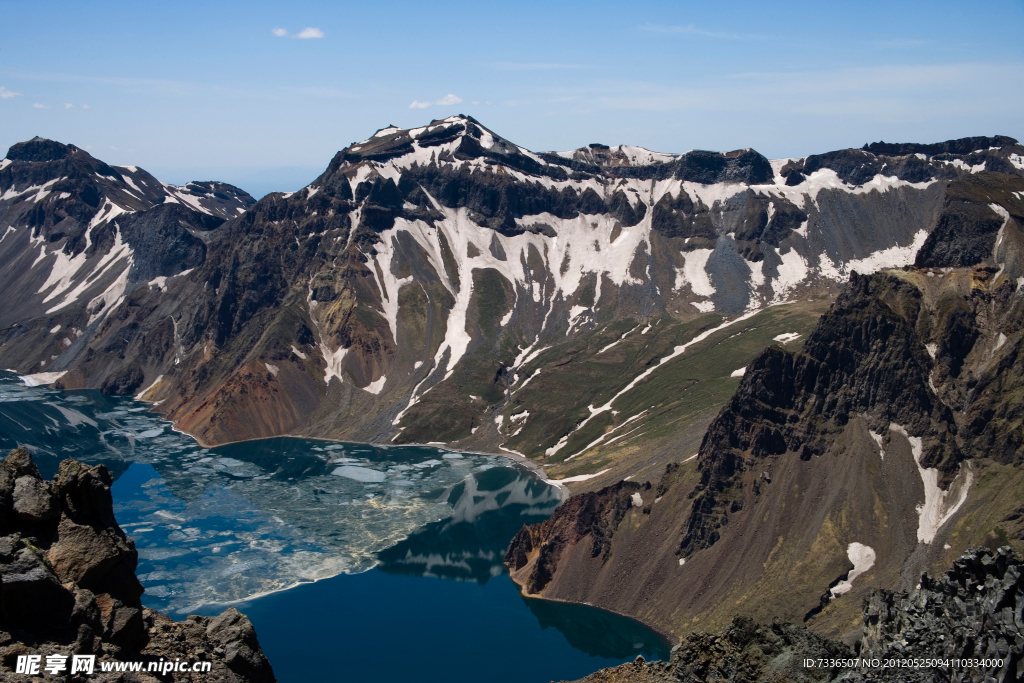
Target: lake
{"points": [[353, 561]]}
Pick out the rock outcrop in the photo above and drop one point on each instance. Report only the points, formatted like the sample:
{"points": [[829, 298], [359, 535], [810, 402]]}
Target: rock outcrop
{"points": [[68, 586], [973, 612]]}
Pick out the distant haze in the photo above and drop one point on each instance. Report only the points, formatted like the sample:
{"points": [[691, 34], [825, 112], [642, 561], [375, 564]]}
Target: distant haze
{"points": [[256, 180]]}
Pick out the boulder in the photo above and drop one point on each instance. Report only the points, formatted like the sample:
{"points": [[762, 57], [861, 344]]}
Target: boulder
{"points": [[31, 595], [34, 500]]}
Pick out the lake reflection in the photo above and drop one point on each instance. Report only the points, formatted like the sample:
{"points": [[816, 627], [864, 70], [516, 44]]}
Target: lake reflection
{"points": [[253, 519]]}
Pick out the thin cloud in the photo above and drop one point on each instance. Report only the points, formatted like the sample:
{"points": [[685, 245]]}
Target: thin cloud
{"points": [[694, 30], [68, 105], [40, 106], [535, 66], [305, 34], [6, 94], [447, 100], [85, 106]]}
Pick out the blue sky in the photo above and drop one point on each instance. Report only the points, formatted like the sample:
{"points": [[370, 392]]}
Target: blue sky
{"points": [[193, 89]]}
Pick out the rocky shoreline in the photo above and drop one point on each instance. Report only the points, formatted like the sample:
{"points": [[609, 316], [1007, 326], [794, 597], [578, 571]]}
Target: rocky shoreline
{"points": [[68, 587]]}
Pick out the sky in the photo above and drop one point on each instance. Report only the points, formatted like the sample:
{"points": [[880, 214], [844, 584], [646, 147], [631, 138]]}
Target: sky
{"points": [[263, 94]]}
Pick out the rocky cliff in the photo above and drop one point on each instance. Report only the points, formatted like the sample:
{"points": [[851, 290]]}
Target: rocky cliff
{"points": [[885, 446], [442, 283], [68, 586], [973, 612]]}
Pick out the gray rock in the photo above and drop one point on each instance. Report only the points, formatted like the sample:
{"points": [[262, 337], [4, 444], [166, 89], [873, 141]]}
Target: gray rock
{"points": [[34, 500], [19, 463]]}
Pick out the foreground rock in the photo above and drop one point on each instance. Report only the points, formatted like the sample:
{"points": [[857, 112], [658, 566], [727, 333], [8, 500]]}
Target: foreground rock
{"points": [[68, 587], [973, 612]]}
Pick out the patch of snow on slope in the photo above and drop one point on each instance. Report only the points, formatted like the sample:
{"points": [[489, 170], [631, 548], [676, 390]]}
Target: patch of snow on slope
{"points": [[298, 353], [739, 373], [138, 396], [41, 378], [694, 272], [1005, 215], [938, 505], [878, 440], [376, 387], [334, 359], [863, 558], [616, 341], [638, 502], [786, 337], [582, 477], [893, 257], [792, 271]]}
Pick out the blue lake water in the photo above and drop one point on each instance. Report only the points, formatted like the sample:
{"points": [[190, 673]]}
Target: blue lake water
{"points": [[354, 562]]}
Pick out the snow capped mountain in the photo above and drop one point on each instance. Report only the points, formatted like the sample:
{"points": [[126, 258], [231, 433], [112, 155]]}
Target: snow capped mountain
{"points": [[415, 289], [77, 230]]}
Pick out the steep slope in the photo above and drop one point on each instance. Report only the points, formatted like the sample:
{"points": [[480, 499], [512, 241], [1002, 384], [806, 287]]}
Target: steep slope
{"points": [[888, 444], [414, 290], [79, 237], [962, 626]]}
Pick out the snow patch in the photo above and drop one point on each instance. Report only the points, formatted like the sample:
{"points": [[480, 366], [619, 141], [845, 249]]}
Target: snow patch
{"points": [[298, 353], [694, 272], [738, 373], [787, 337], [863, 558], [376, 387], [638, 502], [273, 369], [138, 396], [938, 505], [878, 440], [41, 378], [582, 477]]}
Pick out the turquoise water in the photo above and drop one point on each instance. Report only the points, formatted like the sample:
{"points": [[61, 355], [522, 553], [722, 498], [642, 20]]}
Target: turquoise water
{"points": [[354, 562]]}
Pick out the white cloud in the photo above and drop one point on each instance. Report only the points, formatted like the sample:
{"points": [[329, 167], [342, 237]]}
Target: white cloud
{"points": [[85, 106], [447, 100], [694, 30], [280, 32], [6, 94], [310, 33], [535, 66], [68, 105], [41, 106]]}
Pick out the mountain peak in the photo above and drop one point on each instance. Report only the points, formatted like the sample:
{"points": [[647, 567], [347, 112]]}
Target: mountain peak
{"points": [[40, 149]]}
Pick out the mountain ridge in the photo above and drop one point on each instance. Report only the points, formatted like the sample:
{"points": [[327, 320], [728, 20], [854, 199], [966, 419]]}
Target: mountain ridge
{"points": [[422, 263]]}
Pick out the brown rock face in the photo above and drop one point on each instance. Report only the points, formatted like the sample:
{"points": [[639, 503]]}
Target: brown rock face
{"points": [[68, 584], [533, 554]]}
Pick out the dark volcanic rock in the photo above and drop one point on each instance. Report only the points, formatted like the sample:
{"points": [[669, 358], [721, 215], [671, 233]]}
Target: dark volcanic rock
{"points": [[864, 357], [973, 612], [597, 514], [68, 585]]}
